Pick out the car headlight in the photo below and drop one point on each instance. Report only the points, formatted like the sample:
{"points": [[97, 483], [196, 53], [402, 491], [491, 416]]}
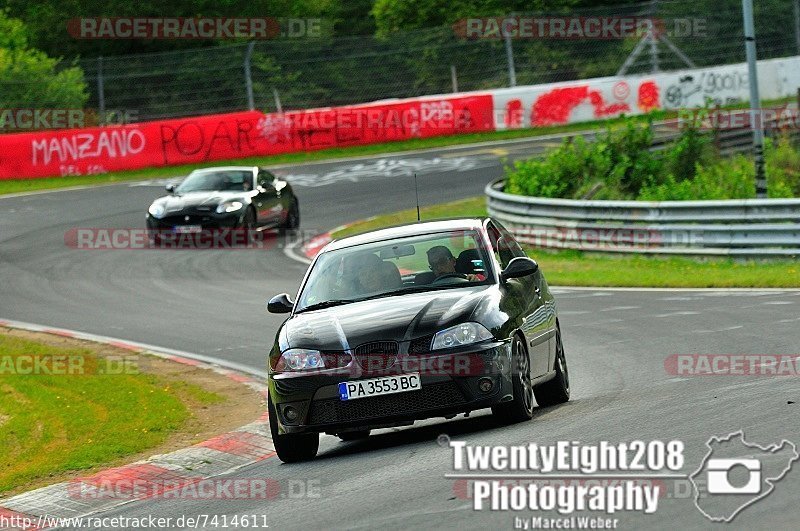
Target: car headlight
{"points": [[157, 210], [459, 335], [229, 206], [300, 359]]}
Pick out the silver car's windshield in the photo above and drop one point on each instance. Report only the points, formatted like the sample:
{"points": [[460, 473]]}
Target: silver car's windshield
{"points": [[418, 263]]}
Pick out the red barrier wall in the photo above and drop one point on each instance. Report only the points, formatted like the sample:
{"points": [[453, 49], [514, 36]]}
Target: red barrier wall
{"points": [[236, 135]]}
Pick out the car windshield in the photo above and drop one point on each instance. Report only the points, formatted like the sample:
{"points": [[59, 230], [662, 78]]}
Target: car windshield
{"points": [[217, 181], [404, 265]]}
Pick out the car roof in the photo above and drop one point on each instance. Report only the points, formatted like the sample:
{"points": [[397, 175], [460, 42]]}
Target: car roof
{"points": [[411, 229], [227, 168]]}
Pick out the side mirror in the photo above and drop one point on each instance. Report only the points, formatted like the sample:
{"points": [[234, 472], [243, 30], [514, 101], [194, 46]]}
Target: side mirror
{"points": [[519, 267], [170, 188], [280, 304]]}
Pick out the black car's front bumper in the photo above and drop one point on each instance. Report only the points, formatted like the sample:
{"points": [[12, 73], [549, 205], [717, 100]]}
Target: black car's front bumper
{"points": [[449, 385], [205, 220]]}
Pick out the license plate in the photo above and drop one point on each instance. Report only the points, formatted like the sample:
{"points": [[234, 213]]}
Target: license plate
{"points": [[188, 229], [379, 386]]}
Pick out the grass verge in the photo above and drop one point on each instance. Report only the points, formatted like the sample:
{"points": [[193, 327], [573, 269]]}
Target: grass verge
{"points": [[90, 412], [575, 268]]}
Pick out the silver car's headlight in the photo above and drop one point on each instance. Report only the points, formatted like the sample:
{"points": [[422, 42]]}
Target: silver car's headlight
{"points": [[459, 335], [300, 359], [229, 206], [157, 210]]}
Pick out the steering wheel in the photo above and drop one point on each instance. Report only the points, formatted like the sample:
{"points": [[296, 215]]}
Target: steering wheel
{"points": [[449, 275]]}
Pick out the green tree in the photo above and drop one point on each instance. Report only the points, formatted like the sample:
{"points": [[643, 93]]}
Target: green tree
{"points": [[29, 78], [48, 20], [396, 15]]}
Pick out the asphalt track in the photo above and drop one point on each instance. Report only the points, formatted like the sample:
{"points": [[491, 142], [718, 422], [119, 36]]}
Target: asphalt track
{"points": [[212, 303]]}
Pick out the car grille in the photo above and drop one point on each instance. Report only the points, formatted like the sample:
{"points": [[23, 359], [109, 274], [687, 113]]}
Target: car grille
{"points": [[180, 219], [376, 356], [421, 345], [433, 396]]}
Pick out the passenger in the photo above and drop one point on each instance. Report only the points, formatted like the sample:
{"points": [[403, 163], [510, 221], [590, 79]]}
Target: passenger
{"points": [[443, 264]]}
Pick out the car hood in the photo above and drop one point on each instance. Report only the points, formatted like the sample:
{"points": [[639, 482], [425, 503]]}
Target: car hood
{"points": [[195, 199], [398, 318]]}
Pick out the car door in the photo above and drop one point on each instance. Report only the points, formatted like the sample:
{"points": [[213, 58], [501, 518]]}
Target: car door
{"points": [[269, 209], [525, 298]]}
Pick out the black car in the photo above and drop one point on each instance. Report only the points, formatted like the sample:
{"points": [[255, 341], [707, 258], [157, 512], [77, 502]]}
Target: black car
{"points": [[413, 322], [233, 197]]}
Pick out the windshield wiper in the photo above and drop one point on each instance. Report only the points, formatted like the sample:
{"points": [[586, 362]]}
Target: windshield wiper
{"points": [[401, 291], [411, 289], [326, 304]]}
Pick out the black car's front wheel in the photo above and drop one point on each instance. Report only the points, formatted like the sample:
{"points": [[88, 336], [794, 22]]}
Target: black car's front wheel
{"points": [[555, 391], [292, 217], [521, 407], [291, 448]]}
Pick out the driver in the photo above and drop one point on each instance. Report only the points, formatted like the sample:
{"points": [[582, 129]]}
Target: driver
{"points": [[368, 279], [443, 264]]}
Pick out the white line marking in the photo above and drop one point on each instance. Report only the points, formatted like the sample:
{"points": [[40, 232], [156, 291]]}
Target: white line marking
{"points": [[669, 290], [291, 252], [144, 346], [728, 329], [675, 314], [565, 476]]}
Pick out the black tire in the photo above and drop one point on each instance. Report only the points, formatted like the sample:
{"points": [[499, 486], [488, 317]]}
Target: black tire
{"points": [[555, 391], [353, 435], [291, 448], [293, 217], [249, 224], [153, 238], [521, 408]]}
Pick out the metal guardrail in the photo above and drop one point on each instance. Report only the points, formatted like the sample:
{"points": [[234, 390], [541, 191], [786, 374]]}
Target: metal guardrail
{"points": [[741, 227], [727, 141]]}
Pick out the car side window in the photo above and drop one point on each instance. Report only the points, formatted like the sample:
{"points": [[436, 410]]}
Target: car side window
{"points": [[498, 248], [265, 178], [504, 246], [511, 241]]}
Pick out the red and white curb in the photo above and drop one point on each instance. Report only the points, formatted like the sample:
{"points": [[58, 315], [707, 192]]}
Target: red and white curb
{"points": [[177, 470], [309, 249]]}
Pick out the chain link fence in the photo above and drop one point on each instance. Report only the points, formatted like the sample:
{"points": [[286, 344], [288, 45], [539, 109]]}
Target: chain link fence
{"points": [[288, 74]]}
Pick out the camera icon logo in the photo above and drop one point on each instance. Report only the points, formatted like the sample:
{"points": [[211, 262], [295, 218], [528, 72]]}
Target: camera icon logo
{"points": [[735, 474], [718, 476]]}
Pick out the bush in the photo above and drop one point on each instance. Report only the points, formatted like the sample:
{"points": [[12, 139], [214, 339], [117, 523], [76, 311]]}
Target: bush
{"points": [[782, 167], [729, 179], [691, 149], [620, 160], [734, 178]]}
